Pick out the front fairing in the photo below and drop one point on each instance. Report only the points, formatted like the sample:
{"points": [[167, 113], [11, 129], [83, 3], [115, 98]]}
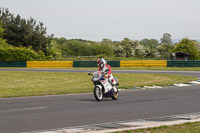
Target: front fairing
{"points": [[97, 76], [98, 79]]}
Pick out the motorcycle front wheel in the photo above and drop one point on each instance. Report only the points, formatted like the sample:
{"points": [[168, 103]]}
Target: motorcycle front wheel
{"points": [[98, 93], [115, 94]]}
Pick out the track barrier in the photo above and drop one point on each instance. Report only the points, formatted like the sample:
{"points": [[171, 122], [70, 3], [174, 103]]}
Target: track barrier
{"points": [[147, 63], [94, 63], [122, 64], [49, 64], [13, 64], [183, 63]]}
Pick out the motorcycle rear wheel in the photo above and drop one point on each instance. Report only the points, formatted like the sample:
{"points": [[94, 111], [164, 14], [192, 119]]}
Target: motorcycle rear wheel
{"points": [[98, 93], [115, 95]]}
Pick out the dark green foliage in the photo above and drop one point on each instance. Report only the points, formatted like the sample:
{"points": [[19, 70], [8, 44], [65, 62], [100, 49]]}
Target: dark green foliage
{"points": [[17, 54], [165, 50], [26, 33], [1, 30], [187, 46], [150, 43], [22, 33], [3, 43], [166, 39], [82, 48]]}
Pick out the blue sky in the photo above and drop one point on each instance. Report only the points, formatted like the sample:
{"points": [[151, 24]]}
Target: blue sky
{"points": [[113, 19]]}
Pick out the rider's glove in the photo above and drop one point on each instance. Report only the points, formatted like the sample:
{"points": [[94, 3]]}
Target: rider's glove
{"points": [[106, 76]]}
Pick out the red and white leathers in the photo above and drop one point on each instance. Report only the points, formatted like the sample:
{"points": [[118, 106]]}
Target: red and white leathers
{"points": [[110, 77]]}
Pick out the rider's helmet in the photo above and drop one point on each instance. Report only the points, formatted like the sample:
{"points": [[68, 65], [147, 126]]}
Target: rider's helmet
{"points": [[101, 62]]}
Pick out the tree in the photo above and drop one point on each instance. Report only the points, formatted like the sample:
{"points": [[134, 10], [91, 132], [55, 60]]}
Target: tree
{"points": [[17, 54], [150, 45], [129, 46], [166, 39], [53, 50], [165, 50], [1, 30], [78, 47], [118, 49], [187, 46], [21, 32], [197, 44], [106, 41], [61, 40], [3, 43]]}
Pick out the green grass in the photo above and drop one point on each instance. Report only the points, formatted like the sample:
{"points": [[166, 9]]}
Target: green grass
{"points": [[153, 68], [17, 84], [164, 68], [118, 68], [182, 128]]}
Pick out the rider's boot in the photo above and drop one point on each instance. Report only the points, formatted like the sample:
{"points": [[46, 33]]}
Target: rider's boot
{"points": [[114, 88], [114, 84]]}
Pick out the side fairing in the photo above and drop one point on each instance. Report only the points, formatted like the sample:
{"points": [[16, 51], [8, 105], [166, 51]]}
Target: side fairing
{"points": [[107, 86]]}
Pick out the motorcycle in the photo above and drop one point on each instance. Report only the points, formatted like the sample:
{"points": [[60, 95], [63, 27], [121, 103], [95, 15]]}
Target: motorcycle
{"points": [[102, 87]]}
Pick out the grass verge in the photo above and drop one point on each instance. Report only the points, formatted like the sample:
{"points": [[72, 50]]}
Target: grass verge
{"points": [[182, 128], [118, 68], [18, 84], [164, 68]]}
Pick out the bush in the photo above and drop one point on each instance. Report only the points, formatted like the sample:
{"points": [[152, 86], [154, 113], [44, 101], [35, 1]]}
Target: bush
{"points": [[77, 48], [17, 54], [187, 46]]}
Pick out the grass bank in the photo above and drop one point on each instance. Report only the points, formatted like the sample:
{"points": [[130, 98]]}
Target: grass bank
{"points": [[182, 128], [17, 84], [164, 68], [153, 68], [118, 68]]}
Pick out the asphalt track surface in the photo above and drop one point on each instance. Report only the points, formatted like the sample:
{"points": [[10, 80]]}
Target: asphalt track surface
{"points": [[61, 111]]}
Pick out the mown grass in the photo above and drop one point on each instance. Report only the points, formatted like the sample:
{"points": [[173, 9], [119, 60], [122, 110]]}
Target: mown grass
{"points": [[164, 68], [148, 68], [17, 84], [182, 128], [118, 68]]}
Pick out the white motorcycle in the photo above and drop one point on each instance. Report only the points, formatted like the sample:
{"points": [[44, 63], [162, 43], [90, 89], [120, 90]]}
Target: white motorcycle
{"points": [[102, 87]]}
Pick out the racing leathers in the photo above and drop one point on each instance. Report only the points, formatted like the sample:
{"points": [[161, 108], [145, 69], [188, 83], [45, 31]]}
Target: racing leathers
{"points": [[110, 77]]}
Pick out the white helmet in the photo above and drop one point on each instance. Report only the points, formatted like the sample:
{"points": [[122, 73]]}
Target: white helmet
{"points": [[101, 62]]}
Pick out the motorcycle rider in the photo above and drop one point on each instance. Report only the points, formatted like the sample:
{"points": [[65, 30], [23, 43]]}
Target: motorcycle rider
{"points": [[103, 66]]}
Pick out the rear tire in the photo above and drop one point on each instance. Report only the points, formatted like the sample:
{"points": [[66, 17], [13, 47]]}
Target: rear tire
{"points": [[98, 93], [115, 95]]}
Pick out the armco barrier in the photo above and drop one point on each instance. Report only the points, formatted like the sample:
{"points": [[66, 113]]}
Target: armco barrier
{"points": [[114, 63], [94, 63], [50, 64], [183, 63], [147, 63], [70, 64], [84, 64], [13, 64]]}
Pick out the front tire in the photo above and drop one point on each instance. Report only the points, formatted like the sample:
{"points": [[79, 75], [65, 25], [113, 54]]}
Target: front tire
{"points": [[115, 95], [98, 93]]}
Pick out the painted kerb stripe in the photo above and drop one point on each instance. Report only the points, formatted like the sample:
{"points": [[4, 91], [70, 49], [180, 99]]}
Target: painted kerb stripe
{"points": [[50, 64], [149, 63]]}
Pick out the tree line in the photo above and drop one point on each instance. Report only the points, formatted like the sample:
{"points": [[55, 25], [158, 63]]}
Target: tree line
{"points": [[143, 49], [25, 39]]}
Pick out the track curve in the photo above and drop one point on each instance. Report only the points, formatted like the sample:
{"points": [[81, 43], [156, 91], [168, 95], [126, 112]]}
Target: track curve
{"points": [[53, 112]]}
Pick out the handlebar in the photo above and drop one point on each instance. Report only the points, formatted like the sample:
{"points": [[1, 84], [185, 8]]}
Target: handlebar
{"points": [[90, 73]]}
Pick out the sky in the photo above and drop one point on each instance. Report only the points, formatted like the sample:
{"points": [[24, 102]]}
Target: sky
{"points": [[112, 19]]}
